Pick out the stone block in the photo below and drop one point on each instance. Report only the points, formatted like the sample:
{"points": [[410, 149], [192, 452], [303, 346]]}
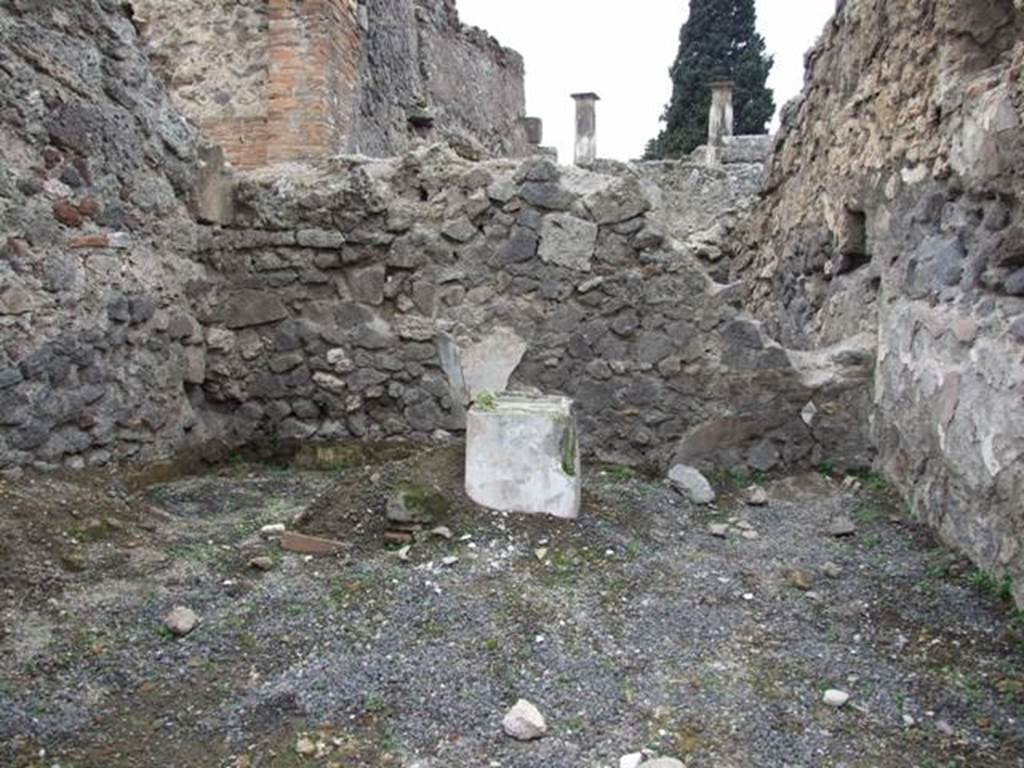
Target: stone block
{"points": [[248, 308], [568, 241], [522, 454], [617, 202], [194, 368], [367, 284]]}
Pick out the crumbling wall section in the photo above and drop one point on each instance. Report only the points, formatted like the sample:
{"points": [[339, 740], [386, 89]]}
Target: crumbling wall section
{"points": [[893, 206], [97, 342]]}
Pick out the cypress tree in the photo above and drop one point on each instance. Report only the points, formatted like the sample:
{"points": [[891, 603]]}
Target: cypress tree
{"points": [[719, 41]]}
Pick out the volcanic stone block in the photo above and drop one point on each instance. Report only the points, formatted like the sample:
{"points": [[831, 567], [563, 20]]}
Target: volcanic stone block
{"points": [[248, 307], [522, 454]]}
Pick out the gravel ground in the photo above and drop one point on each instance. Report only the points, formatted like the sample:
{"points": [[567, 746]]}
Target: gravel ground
{"points": [[631, 629]]}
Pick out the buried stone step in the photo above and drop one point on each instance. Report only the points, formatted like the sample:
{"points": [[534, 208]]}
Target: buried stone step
{"points": [[522, 454]]}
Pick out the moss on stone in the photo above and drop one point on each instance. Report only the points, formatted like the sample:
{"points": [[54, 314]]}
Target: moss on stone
{"points": [[420, 502], [569, 451]]}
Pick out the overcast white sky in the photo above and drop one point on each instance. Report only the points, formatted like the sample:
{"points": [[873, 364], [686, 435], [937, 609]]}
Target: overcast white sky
{"points": [[622, 51]]}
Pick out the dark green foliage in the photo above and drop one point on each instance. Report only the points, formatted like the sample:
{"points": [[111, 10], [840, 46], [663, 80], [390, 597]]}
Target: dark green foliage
{"points": [[719, 41]]}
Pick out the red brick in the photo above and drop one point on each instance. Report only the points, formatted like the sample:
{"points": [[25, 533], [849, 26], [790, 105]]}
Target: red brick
{"points": [[89, 241], [67, 214], [309, 545]]}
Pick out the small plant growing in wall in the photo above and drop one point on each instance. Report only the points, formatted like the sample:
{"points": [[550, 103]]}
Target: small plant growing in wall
{"points": [[485, 401]]}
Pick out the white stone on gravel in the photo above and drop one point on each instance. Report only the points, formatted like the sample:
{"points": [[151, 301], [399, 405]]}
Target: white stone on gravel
{"points": [[305, 746], [832, 570], [835, 698], [449, 561], [274, 529], [757, 496], [181, 620], [692, 484], [663, 762], [632, 760], [721, 530], [524, 722], [842, 526], [443, 531]]}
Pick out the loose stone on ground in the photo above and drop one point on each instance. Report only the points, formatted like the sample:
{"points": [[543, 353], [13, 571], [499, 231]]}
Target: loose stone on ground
{"points": [[524, 722], [181, 621], [692, 484]]}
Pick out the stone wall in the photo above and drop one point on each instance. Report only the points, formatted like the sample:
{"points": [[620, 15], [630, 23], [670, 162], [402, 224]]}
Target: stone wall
{"points": [[97, 343], [355, 297], [281, 80], [341, 294], [893, 206]]}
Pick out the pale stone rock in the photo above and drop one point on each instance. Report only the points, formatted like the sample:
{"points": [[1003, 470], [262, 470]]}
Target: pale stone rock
{"points": [[808, 413], [567, 241], [16, 301], [757, 496], [622, 200], [220, 339], [842, 526], [692, 484], [522, 455], [329, 381], [632, 760], [835, 698], [274, 529], [415, 327], [180, 621], [663, 762], [524, 722], [339, 360]]}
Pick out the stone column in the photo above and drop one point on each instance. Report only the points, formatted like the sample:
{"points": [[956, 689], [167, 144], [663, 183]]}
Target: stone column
{"points": [[586, 128], [720, 122]]}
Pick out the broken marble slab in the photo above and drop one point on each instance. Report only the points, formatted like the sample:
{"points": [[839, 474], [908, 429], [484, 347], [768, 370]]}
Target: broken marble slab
{"points": [[522, 454], [484, 365]]}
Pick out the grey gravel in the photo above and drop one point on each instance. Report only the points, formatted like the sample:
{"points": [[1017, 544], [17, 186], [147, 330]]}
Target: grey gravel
{"points": [[631, 634]]}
